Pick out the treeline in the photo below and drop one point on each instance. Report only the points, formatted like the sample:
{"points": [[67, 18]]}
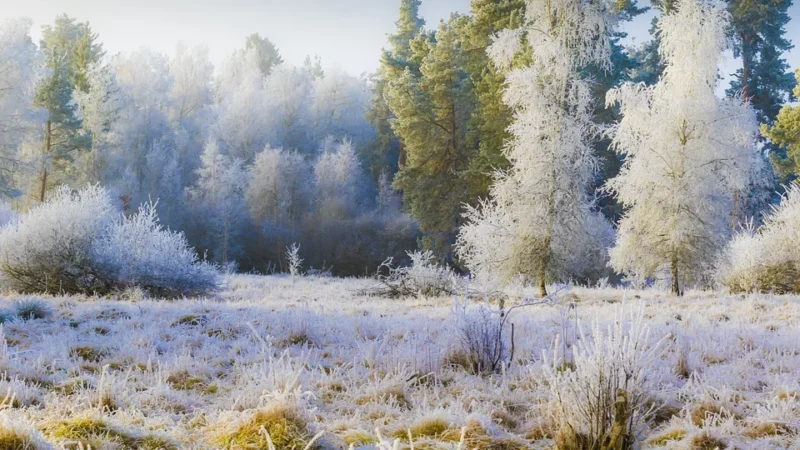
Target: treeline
{"points": [[259, 154]]}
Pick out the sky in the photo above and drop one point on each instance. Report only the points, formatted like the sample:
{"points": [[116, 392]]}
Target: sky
{"points": [[347, 33]]}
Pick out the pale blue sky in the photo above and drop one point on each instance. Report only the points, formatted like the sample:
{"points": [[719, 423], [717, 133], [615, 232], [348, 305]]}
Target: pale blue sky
{"points": [[349, 33]]}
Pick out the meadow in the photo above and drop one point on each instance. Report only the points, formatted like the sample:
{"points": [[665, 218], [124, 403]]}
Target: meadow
{"points": [[320, 363]]}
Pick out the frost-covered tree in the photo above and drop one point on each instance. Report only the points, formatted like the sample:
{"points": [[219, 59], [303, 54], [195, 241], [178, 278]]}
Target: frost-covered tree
{"points": [[690, 156], [20, 122], [100, 109], [279, 192], [339, 105], [242, 126], [288, 94], [191, 96], [337, 181], [219, 209], [268, 54], [538, 220]]}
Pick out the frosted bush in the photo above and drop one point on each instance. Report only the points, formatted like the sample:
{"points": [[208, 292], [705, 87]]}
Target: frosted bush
{"points": [[78, 242], [602, 397], [137, 251], [480, 330], [48, 248], [766, 259], [423, 277], [294, 260]]}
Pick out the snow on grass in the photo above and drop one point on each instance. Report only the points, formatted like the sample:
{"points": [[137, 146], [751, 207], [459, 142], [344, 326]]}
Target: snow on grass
{"points": [[282, 359]]}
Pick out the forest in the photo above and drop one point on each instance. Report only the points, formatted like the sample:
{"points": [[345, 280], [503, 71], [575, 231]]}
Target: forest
{"points": [[524, 231], [566, 157]]}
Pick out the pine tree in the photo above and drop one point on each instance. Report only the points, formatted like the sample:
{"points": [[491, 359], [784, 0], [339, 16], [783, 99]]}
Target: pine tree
{"points": [[70, 49], [538, 221], [491, 118], [268, 54], [383, 154], [690, 156], [786, 132], [759, 32], [432, 112]]}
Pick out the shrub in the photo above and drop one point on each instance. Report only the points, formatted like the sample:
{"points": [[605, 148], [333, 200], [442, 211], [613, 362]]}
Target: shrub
{"points": [[78, 243], [482, 343], [423, 277], [601, 400], [48, 249], [766, 259], [137, 251]]}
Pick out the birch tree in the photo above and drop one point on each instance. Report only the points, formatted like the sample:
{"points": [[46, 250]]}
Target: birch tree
{"points": [[538, 221], [690, 156]]}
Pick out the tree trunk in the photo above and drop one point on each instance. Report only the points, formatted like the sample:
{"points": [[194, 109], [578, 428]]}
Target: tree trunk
{"points": [[676, 287], [46, 150], [542, 285], [747, 63]]}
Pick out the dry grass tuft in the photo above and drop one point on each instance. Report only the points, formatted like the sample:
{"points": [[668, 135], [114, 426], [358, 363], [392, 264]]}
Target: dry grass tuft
{"points": [[286, 428]]}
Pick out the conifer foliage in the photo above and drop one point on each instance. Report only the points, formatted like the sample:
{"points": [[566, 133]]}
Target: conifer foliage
{"points": [[539, 219]]}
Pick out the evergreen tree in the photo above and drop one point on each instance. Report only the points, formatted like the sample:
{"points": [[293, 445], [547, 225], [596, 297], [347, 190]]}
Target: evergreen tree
{"points": [[786, 132], [383, 155], [432, 113], [759, 32], [70, 49], [539, 221], [268, 54], [491, 118]]}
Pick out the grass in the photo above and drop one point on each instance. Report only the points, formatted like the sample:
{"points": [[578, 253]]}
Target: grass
{"points": [[95, 433], [286, 428], [367, 363], [11, 439]]}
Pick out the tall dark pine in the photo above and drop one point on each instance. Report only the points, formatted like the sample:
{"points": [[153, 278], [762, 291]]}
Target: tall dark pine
{"points": [[385, 153], [759, 32]]}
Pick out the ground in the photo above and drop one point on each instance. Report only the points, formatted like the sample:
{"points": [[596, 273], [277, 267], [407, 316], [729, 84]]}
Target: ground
{"points": [[299, 358]]}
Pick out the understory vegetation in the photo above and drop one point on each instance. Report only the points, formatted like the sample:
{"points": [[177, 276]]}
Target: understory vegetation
{"points": [[311, 362]]}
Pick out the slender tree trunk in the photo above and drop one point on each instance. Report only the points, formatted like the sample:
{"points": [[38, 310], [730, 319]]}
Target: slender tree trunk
{"points": [[543, 281], [47, 143], [747, 63], [676, 287]]}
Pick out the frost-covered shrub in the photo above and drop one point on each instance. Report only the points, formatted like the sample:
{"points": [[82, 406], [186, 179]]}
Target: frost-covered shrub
{"points": [[424, 276], [766, 259], [78, 242], [137, 251], [601, 397], [48, 249], [483, 347], [294, 260]]}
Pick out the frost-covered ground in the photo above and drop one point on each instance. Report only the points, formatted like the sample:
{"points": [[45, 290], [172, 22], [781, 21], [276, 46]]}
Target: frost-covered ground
{"points": [[309, 355]]}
